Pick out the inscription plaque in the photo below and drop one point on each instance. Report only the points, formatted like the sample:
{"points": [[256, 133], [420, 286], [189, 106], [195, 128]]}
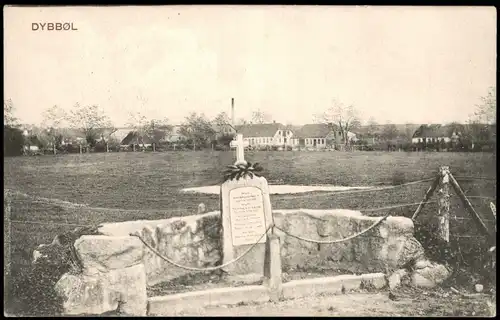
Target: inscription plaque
{"points": [[246, 206]]}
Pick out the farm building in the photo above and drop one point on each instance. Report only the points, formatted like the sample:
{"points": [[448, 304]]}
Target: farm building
{"points": [[223, 130], [134, 138], [317, 135], [266, 134], [437, 133], [175, 134]]}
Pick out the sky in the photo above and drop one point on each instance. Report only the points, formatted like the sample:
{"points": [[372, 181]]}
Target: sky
{"points": [[394, 64]]}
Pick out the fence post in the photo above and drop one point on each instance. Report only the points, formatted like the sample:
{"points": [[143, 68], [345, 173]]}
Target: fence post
{"points": [[6, 238], [444, 203], [272, 266]]}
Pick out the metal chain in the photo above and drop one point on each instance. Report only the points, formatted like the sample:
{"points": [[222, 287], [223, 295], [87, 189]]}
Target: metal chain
{"points": [[200, 269], [337, 240]]}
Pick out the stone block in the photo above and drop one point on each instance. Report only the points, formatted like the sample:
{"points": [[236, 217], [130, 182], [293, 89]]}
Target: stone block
{"points": [[177, 303], [430, 276], [310, 287], [120, 289], [394, 280], [104, 253], [377, 280]]}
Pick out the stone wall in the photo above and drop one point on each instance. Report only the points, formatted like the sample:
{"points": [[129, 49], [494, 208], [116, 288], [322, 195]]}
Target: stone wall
{"points": [[117, 267], [389, 246], [194, 241]]}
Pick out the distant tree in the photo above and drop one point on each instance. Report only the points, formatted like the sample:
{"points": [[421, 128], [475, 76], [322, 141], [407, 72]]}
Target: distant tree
{"points": [[198, 130], [13, 141], [221, 119], [486, 111], [390, 132], [409, 132], [13, 138], [260, 117], [53, 118], [345, 117], [150, 128], [480, 131], [106, 136], [241, 121], [442, 144], [8, 114], [372, 128], [89, 120]]}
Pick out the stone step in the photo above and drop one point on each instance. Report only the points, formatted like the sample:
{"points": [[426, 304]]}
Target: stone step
{"points": [[175, 304]]}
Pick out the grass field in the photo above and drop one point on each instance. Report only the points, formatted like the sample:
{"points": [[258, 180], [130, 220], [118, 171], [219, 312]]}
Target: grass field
{"points": [[97, 188]]}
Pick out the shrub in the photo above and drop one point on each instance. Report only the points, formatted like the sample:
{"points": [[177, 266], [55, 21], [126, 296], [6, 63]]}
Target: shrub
{"points": [[69, 148], [32, 289], [13, 141]]}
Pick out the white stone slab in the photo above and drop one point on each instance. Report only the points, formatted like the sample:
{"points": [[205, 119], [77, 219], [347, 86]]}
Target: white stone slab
{"points": [[246, 214]]}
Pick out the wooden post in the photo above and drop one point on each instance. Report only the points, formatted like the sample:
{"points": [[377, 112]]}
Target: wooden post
{"points": [[6, 238], [444, 204], [272, 266], [468, 206], [427, 196], [494, 212]]}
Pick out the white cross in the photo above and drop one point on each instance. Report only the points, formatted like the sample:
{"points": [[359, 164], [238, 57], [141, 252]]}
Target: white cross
{"points": [[240, 145]]}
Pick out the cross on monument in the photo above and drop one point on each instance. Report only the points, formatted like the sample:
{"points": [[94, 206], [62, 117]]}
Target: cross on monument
{"points": [[240, 145]]}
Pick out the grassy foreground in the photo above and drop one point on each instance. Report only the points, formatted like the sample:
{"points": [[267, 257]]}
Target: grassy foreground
{"points": [[98, 188]]}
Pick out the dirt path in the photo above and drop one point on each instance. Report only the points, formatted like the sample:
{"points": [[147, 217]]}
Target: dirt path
{"points": [[357, 304]]}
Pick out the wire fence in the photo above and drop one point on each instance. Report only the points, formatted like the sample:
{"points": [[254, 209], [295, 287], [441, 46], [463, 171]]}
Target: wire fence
{"points": [[356, 191], [475, 178], [286, 197]]}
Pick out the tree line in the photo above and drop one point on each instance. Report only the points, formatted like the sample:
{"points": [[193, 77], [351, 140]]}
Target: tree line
{"points": [[201, 132]]}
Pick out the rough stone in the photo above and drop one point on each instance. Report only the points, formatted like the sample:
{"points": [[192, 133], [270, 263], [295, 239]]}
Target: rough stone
{"points": [[394, 280], [123, 229], [120, 289], [188, 241], [104, 253], [377, 280], [430, 276], [423, 263], [479, 288], [389, 246]]}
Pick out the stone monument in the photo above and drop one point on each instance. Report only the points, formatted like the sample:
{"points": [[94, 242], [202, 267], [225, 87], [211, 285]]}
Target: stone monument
{"points": [[246, 215]]}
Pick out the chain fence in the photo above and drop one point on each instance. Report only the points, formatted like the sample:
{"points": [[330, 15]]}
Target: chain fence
{"points": [[201, 269]]}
